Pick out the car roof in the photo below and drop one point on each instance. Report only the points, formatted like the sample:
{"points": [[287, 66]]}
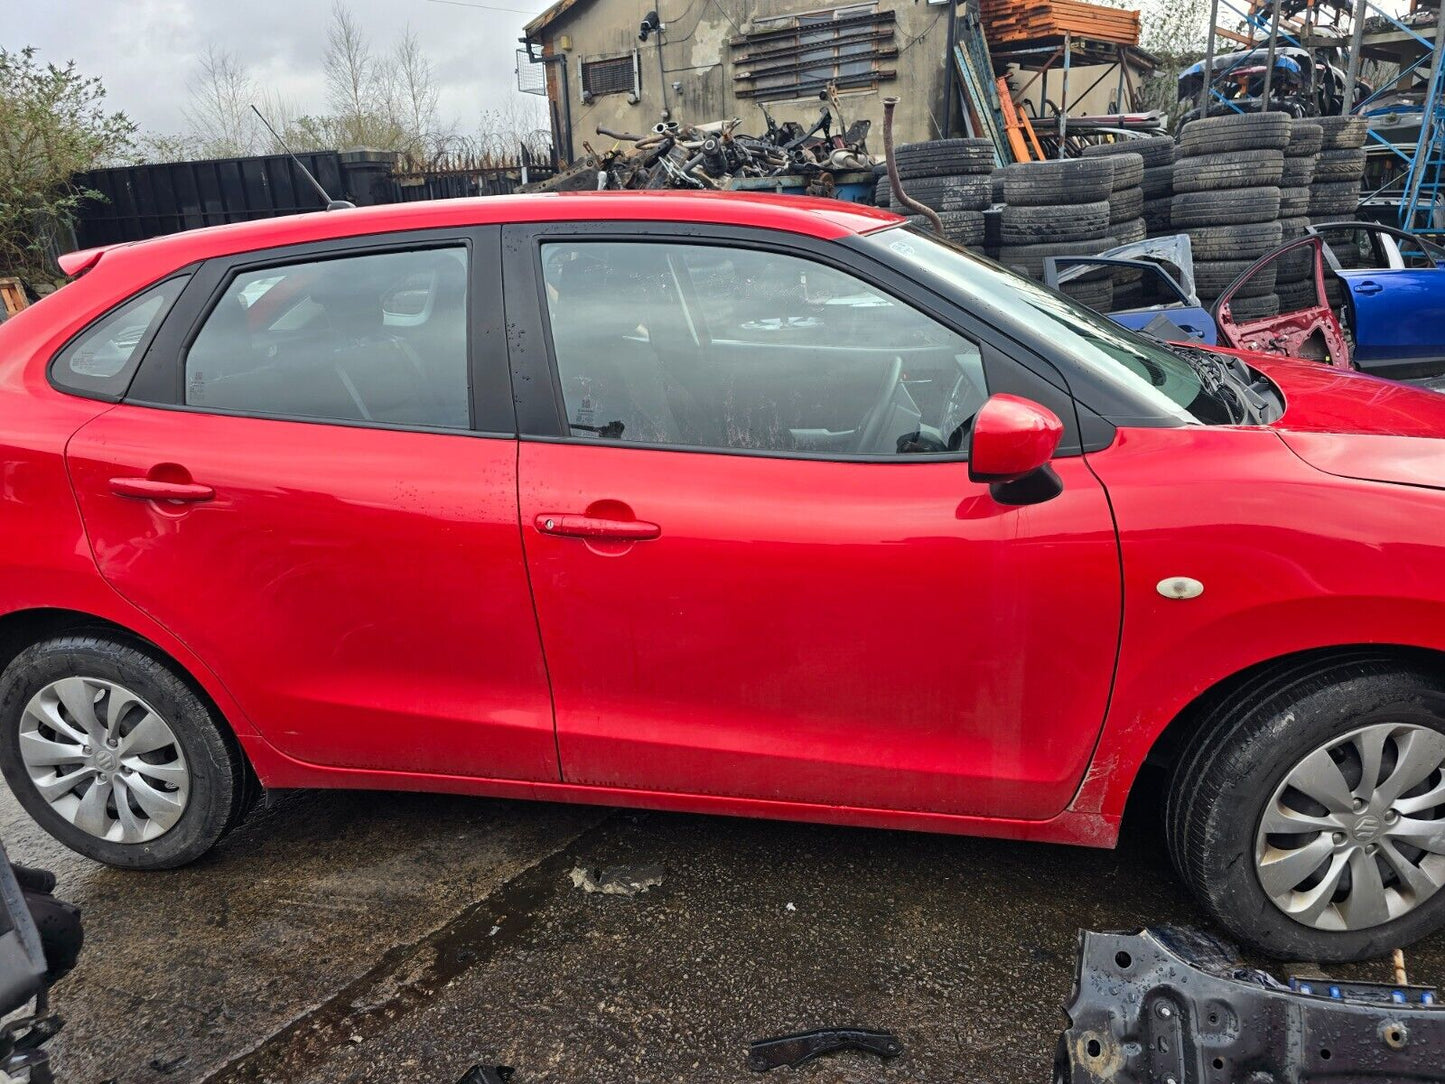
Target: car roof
{"points": [[824, 219]]}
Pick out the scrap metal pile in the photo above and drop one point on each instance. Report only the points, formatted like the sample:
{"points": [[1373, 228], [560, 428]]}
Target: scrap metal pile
{"points": [[716, 156]]}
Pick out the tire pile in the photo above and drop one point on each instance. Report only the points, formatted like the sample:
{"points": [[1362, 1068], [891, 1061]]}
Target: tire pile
{"points": [[1335, 184], [1156, 181], [1060, 208], [949, 175], [1227, 175], [1294, 278]]}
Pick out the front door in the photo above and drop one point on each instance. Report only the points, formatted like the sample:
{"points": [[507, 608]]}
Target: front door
{"points": [[759, 565], [306, 500]]}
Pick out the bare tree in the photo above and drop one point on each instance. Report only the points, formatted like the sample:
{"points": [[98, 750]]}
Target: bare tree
{"points": [[219, 109]]}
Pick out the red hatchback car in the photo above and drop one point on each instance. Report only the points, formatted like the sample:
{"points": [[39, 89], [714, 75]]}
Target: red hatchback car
{"points": [[760, 506]]}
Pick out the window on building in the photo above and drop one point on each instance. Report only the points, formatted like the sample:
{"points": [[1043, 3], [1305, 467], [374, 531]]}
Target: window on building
{"points": [[798, 55], [611, 75]]}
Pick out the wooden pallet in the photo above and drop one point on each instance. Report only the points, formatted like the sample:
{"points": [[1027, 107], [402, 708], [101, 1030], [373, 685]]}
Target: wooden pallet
{"points": [[12, 296], [1030, 20]]}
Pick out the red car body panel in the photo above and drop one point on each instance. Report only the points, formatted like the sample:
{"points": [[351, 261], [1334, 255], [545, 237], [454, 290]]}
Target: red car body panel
{"points": [[847, 587], [870, 634], [325, 582]]}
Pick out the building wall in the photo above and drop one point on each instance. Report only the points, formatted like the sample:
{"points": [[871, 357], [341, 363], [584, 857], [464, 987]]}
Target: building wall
{"points": [[696, 56]]}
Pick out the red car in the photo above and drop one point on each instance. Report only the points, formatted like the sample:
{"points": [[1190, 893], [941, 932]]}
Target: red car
{"points": [[769, 507]]}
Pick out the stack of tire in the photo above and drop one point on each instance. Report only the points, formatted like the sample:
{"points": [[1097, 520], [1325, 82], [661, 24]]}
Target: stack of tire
{"points": [[1227, 173], [1335, 185], [1156, 181], [1294, 275], [1059, 208], [951, 176]]}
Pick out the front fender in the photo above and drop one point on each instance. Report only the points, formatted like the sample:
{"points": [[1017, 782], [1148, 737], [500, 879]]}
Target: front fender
{"points": [[1291, 559]]}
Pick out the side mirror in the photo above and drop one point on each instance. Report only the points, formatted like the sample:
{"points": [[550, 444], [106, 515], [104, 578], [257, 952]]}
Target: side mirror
{"points": [[1010, 446]]}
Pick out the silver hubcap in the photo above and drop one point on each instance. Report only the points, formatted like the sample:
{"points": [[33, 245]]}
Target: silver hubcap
{"points": [[104, 760], [1355, 835]]}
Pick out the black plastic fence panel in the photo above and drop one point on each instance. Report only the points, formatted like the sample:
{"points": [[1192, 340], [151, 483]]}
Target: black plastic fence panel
{"points": [[148, 201]]}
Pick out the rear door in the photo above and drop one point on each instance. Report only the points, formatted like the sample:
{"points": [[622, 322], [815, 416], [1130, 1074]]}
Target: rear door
{"points": [[761, 570], [312, 482], [1394, 296]]}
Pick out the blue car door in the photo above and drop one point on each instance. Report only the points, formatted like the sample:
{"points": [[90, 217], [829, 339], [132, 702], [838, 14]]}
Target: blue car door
{"points": [[1398, 310]]}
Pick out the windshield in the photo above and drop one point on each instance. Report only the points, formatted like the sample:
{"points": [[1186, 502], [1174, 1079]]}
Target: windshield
{"points": [[1114, 352]]}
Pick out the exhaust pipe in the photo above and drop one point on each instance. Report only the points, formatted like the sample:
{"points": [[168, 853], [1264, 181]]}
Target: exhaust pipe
{"points": [[894, 181]]}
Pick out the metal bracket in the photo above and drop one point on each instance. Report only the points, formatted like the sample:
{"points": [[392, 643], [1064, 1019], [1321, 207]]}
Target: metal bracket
{"points": [[794, 1050]]}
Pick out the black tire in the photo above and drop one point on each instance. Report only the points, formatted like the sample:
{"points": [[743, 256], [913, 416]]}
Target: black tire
{"points": [[1029, 259], [1343, 133], [1233, 207], [1305, 139], [220, 791], [1034, 225], [940, 157], [1128, 170], [1337, 198], [1126, 203], [1294, 202], [954, 192], [1253, 308], [1245, 748], [1233, 169], [1054, 183], [1158, 181], [882, 196], [1129, 231], [1098, 296], [1157, 151], [1234, 132], [996, 180], [1291, 228], [961, 227], [1156, 216], [1234, 242], [1334, 166], [1211, 277], [1297, 295], [1298, 172]]}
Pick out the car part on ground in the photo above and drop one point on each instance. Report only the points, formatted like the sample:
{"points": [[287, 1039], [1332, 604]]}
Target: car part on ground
{"points": [[1167, 1005], [795, 1050], [488, 1074], [1149, 279]]}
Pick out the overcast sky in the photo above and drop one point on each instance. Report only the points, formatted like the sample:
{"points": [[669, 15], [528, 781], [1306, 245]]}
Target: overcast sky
{"points": [[145, 50]]}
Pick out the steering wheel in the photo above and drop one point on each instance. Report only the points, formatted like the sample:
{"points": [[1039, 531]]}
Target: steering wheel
{"points": [[877, 418], [963, 405]]}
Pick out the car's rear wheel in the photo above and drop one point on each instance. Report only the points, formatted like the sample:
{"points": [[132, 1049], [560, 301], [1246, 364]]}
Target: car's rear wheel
{"points": [[115, 755], [1310, 817]]}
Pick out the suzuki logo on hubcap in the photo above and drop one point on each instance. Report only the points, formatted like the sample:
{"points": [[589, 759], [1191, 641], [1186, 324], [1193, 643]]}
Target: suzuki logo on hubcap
{"points": [[1368, 828], [105, 760]]}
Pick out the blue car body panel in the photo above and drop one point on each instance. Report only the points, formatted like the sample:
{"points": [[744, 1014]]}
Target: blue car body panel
{"points": [[1399, 315], [1192, 319]]}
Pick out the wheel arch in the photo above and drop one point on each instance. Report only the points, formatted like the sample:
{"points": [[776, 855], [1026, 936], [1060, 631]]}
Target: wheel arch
{"points": [[22, 628], [1186, 724]]}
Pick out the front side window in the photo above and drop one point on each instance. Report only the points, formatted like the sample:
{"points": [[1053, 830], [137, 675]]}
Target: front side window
{"points": [[744, 349], [104, 358], [379, 339]]}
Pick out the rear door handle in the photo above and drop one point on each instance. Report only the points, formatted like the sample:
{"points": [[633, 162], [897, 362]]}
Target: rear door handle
{"points": [[571, 525], [150, 489], [1367, 286]]}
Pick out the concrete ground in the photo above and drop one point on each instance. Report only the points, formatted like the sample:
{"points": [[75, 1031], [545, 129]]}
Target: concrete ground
{"points": [[341, 937]]}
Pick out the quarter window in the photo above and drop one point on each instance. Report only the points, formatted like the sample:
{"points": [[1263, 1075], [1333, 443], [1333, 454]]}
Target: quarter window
{"points": [[103, 359], [379, 339], [731, 348]]}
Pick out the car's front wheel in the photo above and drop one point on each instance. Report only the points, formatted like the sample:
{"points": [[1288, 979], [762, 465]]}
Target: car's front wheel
{"points": [[115, 755], [1309, 812]]}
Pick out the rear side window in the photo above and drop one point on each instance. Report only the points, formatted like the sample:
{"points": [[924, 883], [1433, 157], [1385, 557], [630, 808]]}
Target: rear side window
{"points": [[376, 339], [102, 360]]}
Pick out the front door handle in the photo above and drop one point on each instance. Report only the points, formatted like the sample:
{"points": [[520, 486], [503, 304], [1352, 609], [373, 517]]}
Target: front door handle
{"points": [[152, 489], [572, 525], [1368, 286]]}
